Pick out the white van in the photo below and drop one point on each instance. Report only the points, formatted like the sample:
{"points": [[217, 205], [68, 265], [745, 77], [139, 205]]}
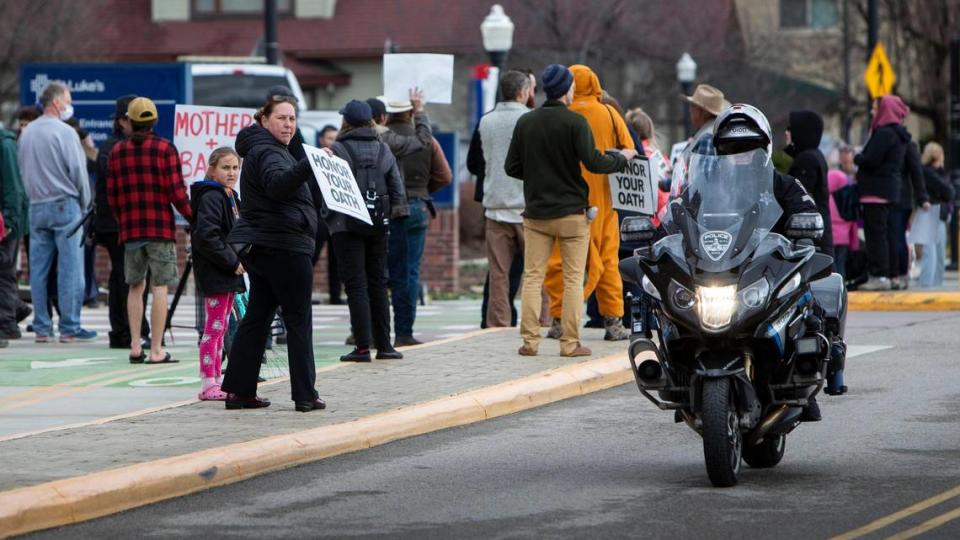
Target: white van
{"points": [[238, 84]]}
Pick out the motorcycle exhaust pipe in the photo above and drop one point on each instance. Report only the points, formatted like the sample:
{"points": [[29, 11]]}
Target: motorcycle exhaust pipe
{"points": [[766, 425], [649, 374]]}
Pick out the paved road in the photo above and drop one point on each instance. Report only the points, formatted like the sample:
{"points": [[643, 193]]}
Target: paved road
{"points": [[611, 465]]}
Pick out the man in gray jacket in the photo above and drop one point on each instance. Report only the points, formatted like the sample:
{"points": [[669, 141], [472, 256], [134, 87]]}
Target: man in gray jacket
{"points": [[503, 200], [55, 176]]}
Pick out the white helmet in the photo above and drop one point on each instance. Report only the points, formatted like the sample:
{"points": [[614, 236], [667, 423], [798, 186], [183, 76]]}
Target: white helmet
{"points": [[742, 128]]}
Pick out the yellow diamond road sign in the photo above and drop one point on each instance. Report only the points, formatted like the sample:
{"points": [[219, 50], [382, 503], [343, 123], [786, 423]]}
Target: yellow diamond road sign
{"points": [[879, 75]]}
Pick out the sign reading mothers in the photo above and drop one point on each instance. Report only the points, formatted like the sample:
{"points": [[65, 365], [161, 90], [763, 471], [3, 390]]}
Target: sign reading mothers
{"points": [[633, 189], [199, 130], [340, 190]]}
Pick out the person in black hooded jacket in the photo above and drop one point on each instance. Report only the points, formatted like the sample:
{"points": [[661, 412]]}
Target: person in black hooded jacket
{"points": [[275, 237], [361, 249], [218, 271], [810, 167], [880, 177]]}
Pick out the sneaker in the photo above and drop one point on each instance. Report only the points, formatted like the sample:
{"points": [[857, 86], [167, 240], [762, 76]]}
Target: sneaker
{"points": [[556, 330], [615, 331], [81, 336], [42, 338], [11, 333], [579, 350], [875, 284]]}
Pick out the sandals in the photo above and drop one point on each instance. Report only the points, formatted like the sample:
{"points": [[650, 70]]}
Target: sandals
{"points": [[138, 359], [167, 359], [212, 393]]}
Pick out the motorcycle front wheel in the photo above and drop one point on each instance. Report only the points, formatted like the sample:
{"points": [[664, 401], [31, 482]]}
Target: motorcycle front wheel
{"points": [[722, 441]]}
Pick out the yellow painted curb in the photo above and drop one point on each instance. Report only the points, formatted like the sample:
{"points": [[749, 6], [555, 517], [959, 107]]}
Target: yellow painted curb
{"points": [[904, 301], [73, 500]]}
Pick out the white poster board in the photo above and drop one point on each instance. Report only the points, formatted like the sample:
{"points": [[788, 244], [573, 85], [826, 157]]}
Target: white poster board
{"points": [[432, 73], [340, 190], [199, 130], [633, 189]]}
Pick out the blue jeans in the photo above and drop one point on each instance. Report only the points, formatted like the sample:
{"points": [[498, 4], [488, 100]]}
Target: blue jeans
{"points": [[405, 250], [50, 224], [934, 259]]}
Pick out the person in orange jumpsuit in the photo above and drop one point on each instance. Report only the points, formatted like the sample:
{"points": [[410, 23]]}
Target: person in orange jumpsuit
{"points": [[603, 273]]}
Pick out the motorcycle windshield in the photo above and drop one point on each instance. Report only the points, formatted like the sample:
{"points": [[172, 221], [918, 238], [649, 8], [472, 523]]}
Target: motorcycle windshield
{"points": [[723, 207]]}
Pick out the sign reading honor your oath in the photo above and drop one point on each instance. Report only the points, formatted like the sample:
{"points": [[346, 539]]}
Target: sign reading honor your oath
{"points": [[199, 130], [633, 189], [340, 190]]}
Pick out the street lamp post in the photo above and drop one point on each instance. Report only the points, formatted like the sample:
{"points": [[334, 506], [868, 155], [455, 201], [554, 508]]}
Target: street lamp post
{"points": [[686, 74], [497, 32]]}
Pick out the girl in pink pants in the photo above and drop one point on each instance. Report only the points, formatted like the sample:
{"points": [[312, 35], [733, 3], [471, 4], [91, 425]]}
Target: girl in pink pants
{"points": [[219, 273]]}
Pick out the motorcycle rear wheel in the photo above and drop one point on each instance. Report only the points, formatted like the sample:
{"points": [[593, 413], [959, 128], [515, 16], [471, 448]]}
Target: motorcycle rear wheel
{"points": [[722, 440], [766, 454]]}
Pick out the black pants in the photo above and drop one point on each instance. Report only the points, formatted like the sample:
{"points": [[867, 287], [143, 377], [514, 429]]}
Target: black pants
{"points": [[333, 269], [9, 296], [117, 294], [876, 229], [840, 252], [897, 232], [362, 261], [284, 279]]}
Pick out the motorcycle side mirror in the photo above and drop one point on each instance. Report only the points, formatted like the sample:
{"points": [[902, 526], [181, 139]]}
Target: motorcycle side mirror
{"points": [[637, 229], [806, 225]]}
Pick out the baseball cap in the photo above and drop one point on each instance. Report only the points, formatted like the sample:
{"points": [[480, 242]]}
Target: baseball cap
{"points": [[142, 109]]}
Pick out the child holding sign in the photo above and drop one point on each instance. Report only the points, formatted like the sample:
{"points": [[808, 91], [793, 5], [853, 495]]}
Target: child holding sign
{"points": [[218, 270]]}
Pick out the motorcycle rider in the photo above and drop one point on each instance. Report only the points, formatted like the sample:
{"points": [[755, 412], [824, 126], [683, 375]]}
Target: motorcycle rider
{"points": [[744, 128]]}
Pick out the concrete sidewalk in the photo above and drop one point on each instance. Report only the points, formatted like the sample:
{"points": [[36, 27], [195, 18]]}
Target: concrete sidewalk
{"points": [[352, 391]]}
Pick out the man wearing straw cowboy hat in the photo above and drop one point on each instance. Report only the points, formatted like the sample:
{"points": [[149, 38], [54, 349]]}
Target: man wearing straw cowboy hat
{"points": [[706, 103]]}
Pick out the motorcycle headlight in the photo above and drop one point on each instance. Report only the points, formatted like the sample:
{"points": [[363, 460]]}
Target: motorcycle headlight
{"points": [[789, 286], [682, 297], [649, 288], [756, 294], [716, 306]]}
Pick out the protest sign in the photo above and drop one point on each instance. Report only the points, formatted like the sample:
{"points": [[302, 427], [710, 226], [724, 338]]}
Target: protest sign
{"points": [[432, 73], [633, 190], [199, 130], [340, 190]]}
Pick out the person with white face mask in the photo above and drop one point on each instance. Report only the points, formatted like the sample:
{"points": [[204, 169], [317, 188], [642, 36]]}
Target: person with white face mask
{"points": [[54, 170]]}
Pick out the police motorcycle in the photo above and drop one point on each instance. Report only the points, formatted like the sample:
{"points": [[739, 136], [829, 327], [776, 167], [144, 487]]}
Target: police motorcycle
{"points": [[750, 322]]}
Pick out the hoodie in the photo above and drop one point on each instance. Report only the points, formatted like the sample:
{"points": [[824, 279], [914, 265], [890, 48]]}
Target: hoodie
{"points": [[214, 261], [810, 167], [881, 163], [14, 203], [277, 210]]}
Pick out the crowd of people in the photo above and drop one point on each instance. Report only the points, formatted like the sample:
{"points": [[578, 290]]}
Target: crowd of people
{"points": [[551, 228]]}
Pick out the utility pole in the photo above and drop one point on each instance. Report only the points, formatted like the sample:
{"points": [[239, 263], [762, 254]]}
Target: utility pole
{"points": [[845, 119], [270, 31], [872, 22], [954, 146]]}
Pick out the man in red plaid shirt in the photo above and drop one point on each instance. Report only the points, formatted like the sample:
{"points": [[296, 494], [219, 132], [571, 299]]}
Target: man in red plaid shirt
{"points": [[144, 179]]}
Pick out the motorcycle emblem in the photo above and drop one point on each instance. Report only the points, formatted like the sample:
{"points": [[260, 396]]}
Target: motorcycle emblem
{"points": [[716, 243]]}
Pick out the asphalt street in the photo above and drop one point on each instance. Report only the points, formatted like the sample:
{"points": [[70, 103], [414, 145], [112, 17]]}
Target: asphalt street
{"points": [[612, 465]]}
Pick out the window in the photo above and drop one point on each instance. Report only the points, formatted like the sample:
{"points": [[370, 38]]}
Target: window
{"points": [[814, 14], [210, 8]]}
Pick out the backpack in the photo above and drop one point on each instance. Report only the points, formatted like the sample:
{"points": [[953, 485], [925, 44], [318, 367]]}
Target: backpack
{"points": [[847, 200], [369, 177]]}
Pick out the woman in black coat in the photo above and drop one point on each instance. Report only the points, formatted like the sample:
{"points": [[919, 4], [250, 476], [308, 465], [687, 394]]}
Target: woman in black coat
{"points": [[361, 249], [275, 238], [880, 177]]}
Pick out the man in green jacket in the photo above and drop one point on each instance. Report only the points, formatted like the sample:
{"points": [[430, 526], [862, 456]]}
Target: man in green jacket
{"points": [[546, 151], [15, 207]]}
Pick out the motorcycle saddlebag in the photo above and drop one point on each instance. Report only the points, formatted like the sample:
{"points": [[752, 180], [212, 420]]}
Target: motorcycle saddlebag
{"points": [[831, 295]]}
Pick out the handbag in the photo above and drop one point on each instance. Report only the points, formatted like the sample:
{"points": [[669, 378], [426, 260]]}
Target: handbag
{"points": [[847, 200]]}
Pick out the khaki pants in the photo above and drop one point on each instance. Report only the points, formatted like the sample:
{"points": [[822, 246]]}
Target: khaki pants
{"points": [[504, 240], [572, 233]]}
